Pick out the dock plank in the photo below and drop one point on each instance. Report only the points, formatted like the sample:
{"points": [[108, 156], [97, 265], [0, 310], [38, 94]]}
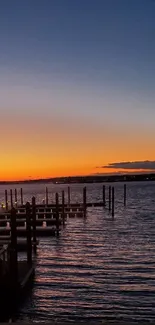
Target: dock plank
{"points": [[12, 293], [21, 231]]}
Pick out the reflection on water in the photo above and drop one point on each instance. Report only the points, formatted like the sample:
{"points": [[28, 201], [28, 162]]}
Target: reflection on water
{"points": [[99, 268]]}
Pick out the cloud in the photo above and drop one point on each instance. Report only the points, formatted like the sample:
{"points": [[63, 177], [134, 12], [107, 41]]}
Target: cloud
{"points": [[139, 165]]}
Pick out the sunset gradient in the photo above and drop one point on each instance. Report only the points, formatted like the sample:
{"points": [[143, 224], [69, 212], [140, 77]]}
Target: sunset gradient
{"points": [[76, 86]]}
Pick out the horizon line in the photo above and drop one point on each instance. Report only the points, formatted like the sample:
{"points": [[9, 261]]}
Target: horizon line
{"points": [[77, 176]]}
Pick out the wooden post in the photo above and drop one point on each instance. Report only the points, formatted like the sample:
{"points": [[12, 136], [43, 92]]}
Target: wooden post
{"points": [[46, 196], [124, 194], [69, 195], [15, 197], [84, 200], [57, 213], [104, 203], [28, 233], [34, 222], [109, 198], [21, 195], [11, 199], [13, 247], [113, 202], [6, 200], [63, 207]]}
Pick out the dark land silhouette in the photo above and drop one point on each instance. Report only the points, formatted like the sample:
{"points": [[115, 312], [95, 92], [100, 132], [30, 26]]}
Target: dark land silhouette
{"points": [[88, 179]]}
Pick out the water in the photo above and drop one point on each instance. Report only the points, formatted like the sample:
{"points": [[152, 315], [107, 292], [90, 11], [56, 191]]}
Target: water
{"points": [[98, 269]]}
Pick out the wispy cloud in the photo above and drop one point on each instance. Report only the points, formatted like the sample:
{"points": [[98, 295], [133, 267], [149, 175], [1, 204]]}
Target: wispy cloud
{"points": [[139, 165]]}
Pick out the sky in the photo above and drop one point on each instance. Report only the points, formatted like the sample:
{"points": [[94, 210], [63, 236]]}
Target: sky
{"points": [[77, 87]]}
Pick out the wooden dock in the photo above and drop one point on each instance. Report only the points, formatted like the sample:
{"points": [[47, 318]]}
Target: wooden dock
{"points": [[17, 199], [46, 218], [11, 294], [15, 276], [21, 243], [21, 231], [21, 225], [15, 279]]}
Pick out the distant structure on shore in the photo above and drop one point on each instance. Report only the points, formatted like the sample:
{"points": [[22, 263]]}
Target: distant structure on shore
{"points": [[89, 179]]}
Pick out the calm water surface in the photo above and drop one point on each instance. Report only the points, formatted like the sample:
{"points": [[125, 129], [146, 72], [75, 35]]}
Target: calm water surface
{"points": [[98, 269]]}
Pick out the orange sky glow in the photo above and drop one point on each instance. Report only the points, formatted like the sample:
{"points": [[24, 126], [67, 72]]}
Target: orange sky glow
{"points": [[44, 148]]}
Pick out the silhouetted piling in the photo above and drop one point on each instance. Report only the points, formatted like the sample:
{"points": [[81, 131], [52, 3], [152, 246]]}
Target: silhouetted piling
{"points": [[16, 197], [11, 199], [6, 200], [34, 222], [21, 196], [57, 213], [28, 233], [113, 202], [63, 207], [124, 194], [84, 200], [104, 202], [46, 196], [13, 247], [109, 198], [69, 195]]}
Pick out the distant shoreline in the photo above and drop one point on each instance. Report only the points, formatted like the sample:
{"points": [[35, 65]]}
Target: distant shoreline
{"points": [[87, 179]]}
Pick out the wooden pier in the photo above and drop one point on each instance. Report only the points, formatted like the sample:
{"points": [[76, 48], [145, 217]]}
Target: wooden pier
{"points": [[15, 275], [20, 226], [12, 289], [49, 216]]}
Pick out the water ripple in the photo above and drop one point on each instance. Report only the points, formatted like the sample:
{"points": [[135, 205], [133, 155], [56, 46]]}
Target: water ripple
{"points": [[98, 269]]}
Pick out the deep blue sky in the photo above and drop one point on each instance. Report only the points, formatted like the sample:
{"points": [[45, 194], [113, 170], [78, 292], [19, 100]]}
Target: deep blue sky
{"points": [[91, 60], [102, 42]]}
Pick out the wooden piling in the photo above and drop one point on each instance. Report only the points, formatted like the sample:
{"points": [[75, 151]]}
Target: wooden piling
{"points": [[57, 212], [21, 196], [13, 247], [46, 196], [124, 194], [6, 200], [113, 202], [11, 199], [34, 222], [69, 195], [104, 201], [109, 198], [16, 197], [84, 200], [28, 233], [63, 207]]}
